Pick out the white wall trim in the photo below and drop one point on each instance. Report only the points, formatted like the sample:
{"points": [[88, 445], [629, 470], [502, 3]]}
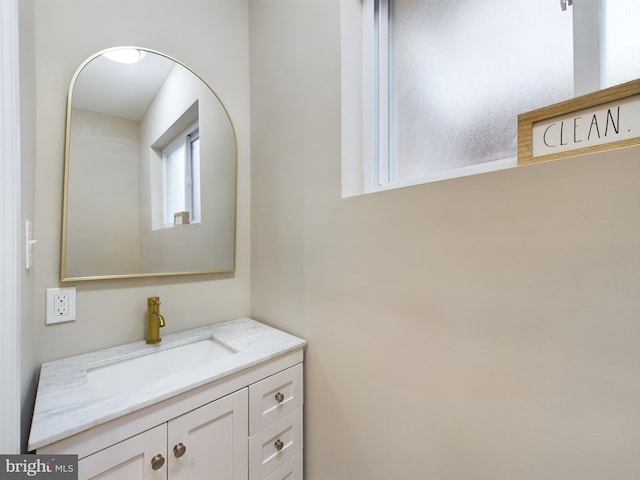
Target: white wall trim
{"points": [[10, 233]]}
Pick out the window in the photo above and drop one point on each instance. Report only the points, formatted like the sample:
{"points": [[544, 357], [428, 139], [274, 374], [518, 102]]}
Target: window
{"points": [[444, 81], [181, 176]]}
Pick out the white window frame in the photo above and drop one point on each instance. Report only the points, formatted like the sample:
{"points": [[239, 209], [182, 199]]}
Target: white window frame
{"points": [[185, 138], [380, 165], [380, 169]]}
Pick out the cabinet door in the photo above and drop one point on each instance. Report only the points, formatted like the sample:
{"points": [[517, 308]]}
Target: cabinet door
{"points": [[211, 441], [142, 457]]}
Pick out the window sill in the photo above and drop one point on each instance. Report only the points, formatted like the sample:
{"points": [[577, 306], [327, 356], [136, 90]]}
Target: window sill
{"points": [[486, 167]]}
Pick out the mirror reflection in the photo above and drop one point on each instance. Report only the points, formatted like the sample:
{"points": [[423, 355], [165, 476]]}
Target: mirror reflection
{"points": [[150, 170]]}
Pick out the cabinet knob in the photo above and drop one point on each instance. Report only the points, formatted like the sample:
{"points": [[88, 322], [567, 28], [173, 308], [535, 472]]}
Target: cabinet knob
{"points": [[279, 444], [179, 450], [279, 397], [157, 462]]}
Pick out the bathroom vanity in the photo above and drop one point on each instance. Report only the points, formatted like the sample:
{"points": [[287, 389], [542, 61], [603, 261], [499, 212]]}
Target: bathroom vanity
{"points": [[222, 401]]}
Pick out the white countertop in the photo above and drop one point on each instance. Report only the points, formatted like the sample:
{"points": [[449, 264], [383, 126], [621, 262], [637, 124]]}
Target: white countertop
{"points": [[64, 402]]}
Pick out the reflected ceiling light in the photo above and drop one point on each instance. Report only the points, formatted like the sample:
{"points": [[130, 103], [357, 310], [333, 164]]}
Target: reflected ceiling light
{"points": [[125, 55]]}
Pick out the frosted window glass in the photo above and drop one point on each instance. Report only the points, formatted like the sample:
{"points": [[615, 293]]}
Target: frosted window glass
{"points": [[620, 30], [465, 69]]}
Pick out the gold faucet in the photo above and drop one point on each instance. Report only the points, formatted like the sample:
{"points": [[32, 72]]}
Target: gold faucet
{"points": [[154, 320]]}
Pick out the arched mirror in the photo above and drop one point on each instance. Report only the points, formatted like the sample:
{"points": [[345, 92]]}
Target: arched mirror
{"points": [[150, 170]]}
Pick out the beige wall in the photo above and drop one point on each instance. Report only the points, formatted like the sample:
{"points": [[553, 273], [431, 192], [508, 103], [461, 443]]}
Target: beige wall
{"points": [[479, 328], [211, 37]]}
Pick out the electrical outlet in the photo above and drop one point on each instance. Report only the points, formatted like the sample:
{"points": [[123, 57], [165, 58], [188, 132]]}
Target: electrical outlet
{"points": [[61, 305]]}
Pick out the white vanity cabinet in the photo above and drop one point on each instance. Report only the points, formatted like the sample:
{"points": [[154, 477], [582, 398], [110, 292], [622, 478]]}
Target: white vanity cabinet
{"points": [[208, 442], [239, 418]]}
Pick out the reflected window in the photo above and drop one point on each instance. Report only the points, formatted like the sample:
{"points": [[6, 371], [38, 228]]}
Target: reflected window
{"points": [[181, 178]]}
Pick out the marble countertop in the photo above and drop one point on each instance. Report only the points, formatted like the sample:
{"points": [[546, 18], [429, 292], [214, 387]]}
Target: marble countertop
{"points": [[65, 404]]}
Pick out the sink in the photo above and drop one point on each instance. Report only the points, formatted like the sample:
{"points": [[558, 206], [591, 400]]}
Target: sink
{"points": [[124, 375]]}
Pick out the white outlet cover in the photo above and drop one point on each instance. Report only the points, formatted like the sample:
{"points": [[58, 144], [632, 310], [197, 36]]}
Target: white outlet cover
{"points": [[51, 316]]}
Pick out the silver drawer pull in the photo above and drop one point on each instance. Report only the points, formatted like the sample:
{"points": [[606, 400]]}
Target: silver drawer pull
{"points": [[279, 444], [157, 462], [179, 450], [279, 397]]}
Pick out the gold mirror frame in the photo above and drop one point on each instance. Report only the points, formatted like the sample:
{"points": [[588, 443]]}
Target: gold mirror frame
{"points": [[230, 216]]}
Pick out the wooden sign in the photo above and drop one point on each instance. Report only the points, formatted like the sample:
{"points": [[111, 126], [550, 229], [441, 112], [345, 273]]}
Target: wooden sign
{"points": [[602, 120]]}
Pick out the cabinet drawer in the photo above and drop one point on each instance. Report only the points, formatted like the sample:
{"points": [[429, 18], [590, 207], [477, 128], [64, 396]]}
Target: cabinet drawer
{"points": [[275, 445], [275, 397], [291, 470]]}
